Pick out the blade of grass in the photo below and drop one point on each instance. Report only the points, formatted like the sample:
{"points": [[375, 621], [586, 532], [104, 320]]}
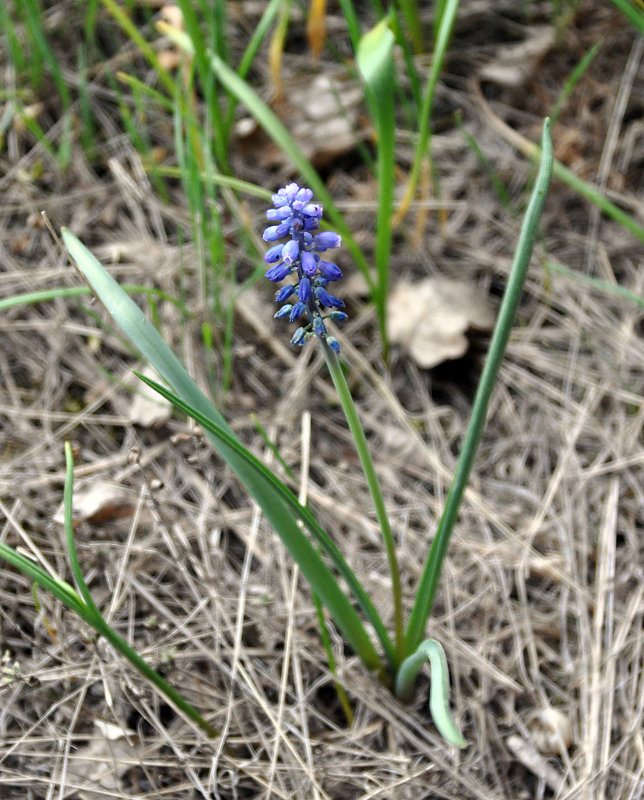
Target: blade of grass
{"points": [[250, 52], [130, 29], [292, 507], [431, 573], [596, 283], [59, 588], [34, 17], [432, 651], [635, 15], [443, 34], [368, 467], [273, 497], [408, 57], [411, 15], [83, 604], [99, 624], [46, 295], [496, 182], [532, 151], [280, 135], [376, 65], [199, 52], [353, 22]]}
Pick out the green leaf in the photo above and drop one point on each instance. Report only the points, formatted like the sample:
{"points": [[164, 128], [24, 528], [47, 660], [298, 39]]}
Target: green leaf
{"points": [[283, 509], [268, 493], [431, 650], [431, 573], [375, 62]]}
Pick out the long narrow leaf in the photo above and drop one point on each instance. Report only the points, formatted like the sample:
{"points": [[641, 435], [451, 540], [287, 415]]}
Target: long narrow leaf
{"points": [[97, 621], [443, 34], [86, 609], [295, 508], [59, 588], [150, 343], [375, 61], [431, 573]]}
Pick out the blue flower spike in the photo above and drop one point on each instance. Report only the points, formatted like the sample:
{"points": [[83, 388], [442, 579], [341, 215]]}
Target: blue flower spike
{"points": [[296, 215]]}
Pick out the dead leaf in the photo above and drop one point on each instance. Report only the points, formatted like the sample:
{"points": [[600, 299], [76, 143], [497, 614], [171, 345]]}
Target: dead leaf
{"points": [[98, 501], [322, 115], [533, 761], [429, 319], [170, 59], [516, 63], [551, 731], [97, 768]]}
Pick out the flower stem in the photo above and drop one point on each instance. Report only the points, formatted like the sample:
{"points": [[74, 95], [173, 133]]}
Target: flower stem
{"points": [[369, 469]]}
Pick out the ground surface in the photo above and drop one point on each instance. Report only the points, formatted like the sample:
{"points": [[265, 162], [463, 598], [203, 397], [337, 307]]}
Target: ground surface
{"points": [[541, 602]]}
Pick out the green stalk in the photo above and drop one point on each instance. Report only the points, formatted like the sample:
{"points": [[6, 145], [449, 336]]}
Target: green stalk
{"points": [[443, 33], [431, 573], [348, 406], [375, 62]]}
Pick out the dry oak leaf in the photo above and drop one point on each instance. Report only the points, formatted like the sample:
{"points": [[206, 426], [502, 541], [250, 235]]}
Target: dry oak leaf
{"points": [[429, 319], [98, 501]]}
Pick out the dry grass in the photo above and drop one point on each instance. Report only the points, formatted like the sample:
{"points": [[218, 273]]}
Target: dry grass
{"points": [[541, 604]]}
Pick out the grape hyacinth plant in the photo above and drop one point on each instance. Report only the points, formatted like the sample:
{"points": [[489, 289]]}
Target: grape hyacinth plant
{"points": [[397, 657], [296, 216]]}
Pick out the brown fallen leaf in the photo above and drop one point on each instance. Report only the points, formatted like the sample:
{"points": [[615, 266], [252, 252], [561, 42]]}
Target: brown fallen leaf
{"points": [[551, 731], [516, 63], [99, 501], [96, 769], [429, 319], [322, 113]]}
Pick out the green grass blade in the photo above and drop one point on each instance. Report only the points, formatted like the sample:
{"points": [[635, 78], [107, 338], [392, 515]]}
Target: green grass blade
{"points": [[496, 182], [129, 317], [443, 34], [511, 298], [99, 624], [353, 22], [599, 285], [573, 80], [590, 193], [78, 291], [85, 607], [376, 65], [129, 28], [68, 497], [635, 15], [411, 15], [149, 342], [217, 128], [59, 588], [410, 66], [368, 467], [282, 509]]}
